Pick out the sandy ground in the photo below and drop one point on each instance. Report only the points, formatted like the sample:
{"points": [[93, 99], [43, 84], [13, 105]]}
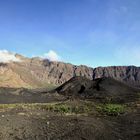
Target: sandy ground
{"points": [[35, 124]]}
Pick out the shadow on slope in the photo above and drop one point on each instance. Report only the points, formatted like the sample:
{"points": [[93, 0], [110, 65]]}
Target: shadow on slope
{"points": [[22, 95], [104, 89]]}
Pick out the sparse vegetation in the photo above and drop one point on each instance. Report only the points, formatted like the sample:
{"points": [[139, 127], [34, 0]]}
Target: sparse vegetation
{"points": [[65, 108], [83, 108], [111, 109]]}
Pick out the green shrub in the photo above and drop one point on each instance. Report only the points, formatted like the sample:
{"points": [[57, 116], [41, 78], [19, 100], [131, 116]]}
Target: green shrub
{"points": [[111, 109], [62, 109]]}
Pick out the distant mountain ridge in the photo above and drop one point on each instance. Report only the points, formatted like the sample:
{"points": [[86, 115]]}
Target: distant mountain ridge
{"points": [[38, 73]]}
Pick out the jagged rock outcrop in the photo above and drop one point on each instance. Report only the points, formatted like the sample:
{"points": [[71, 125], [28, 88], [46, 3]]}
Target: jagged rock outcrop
{"points": [[36, 72]]}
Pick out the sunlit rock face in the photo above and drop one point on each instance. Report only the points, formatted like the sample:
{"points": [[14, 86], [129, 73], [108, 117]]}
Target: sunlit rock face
{"points": [[38, 72]]}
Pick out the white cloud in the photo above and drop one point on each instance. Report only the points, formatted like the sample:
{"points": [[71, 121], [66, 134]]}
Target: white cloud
{"points": [[6, 57], [52, 56]]}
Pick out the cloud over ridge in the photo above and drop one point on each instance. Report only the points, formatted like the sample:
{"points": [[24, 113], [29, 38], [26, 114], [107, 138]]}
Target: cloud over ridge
{"points": [[6, 57], [52, 56]]}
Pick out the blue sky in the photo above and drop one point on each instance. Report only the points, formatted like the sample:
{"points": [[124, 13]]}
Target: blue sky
{"points": [[89, 32]]}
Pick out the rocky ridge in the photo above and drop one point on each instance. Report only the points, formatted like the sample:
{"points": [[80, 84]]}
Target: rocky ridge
{"points": [[37, 72]]}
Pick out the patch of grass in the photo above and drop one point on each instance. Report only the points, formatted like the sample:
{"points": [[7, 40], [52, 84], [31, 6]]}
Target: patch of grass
{"points": [[82, 108], [111, 109], [6, 106], [61, 108], [64, 108]]}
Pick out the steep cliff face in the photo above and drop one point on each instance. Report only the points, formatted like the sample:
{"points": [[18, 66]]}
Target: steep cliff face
{"points": [[55, 73], [36, 72], [128, 74]]}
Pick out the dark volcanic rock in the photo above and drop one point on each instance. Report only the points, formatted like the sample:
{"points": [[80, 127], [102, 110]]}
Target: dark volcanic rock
{"points": [[107, 89], [75, 86]]}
